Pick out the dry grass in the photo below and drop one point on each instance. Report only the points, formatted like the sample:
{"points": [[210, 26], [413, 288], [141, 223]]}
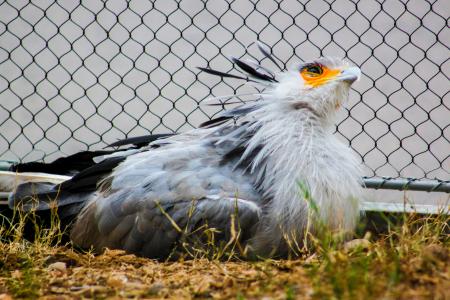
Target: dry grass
{"points": [[409, 261]]}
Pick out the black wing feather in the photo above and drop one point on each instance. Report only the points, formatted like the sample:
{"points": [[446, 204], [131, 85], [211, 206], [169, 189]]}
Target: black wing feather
{"points": [[139, 141], [229, 114], [215, 122]]}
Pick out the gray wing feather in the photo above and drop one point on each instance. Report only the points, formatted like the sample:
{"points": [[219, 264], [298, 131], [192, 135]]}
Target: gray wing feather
{"points": [[158, 197], [149, 232]]}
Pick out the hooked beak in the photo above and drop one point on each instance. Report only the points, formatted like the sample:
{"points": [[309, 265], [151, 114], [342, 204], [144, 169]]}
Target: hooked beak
{"points": [[350, 75]]}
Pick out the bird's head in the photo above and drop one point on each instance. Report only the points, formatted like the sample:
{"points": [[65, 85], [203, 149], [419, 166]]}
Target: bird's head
{"points": [[319, 87], [315, 89]]}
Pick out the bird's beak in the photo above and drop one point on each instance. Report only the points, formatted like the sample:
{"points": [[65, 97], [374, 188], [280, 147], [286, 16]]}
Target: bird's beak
{"points": [[350, 75]]}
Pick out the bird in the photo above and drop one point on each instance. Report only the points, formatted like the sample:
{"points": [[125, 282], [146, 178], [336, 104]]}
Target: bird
{"points": [[255, 173]]}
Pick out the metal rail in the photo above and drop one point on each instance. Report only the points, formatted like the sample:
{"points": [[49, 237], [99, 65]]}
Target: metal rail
{"points": [[427, 209], [378, 183], [407, 184], [365, 207]]}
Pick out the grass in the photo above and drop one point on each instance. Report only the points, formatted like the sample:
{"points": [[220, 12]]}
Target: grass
{"points": [[408, 260], [411, 260]]}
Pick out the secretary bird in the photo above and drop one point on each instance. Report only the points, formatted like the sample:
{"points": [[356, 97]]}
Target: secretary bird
{"points": [[253, 169]]}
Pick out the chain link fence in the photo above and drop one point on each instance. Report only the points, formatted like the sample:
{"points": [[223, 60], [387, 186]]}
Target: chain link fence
{"points": [[80, 75]]}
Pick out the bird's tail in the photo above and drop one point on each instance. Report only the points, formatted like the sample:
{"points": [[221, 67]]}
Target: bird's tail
{"points": [[32, 201], [45, 195], [62, 186]]}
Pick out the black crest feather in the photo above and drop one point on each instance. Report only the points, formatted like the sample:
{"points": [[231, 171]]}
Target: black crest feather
{"points": [[222, 74], [267, 54], [252, 71]]}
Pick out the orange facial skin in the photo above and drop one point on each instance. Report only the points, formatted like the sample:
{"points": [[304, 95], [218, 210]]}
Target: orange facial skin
{"points": [[313, 78]]}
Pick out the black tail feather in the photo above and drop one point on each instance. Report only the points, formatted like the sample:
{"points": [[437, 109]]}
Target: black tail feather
{"points": [[68, 165], [67, 198], [40, 196], [87, 180]]}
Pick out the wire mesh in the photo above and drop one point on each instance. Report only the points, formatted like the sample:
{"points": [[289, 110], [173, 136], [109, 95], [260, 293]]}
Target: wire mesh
{"points": [[80, 75]]}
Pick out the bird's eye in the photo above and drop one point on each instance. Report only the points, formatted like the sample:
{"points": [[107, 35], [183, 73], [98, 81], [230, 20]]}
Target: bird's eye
{"points": [[316, 74], [312, 70]]}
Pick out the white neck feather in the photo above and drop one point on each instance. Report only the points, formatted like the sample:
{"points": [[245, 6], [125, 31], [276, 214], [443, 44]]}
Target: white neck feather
{"points": [[299, 149]]}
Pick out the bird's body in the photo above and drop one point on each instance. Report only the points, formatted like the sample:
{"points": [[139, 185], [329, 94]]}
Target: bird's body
{"points": [[254, 170]]}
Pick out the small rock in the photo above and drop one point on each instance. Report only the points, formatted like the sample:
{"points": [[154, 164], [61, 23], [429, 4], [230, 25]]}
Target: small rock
{"points": [[114, 252], [58, 266], [311, 259], [5, 297], [117, 281], [16, 274], [229, 282], [203, 286], [55, 297], [434, 253], [357, 244], [155, 288]]}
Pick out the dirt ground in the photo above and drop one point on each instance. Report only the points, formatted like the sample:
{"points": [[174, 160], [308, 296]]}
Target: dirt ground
{"points": [[409, 262]]}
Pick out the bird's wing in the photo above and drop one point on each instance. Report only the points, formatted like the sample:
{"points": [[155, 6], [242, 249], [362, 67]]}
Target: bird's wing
{"points": [[155, 198], [154, 229]]}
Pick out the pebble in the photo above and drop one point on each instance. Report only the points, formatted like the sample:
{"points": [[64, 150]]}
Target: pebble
{"points": [[58, 266], [357, 244]]}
